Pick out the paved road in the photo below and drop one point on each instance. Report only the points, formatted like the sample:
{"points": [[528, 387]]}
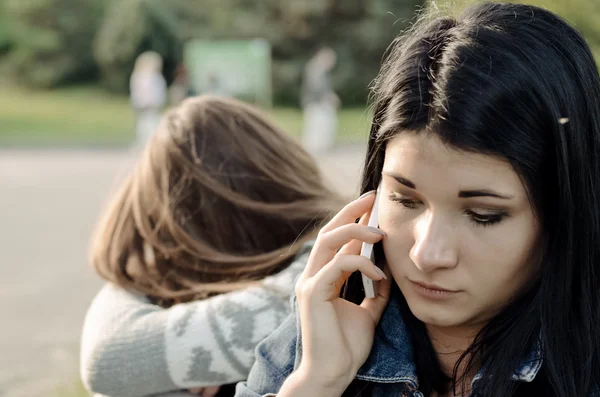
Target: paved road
{"points": [[49, 201]]}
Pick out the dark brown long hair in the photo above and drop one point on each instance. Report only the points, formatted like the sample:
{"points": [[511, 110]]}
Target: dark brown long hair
{"points": [[219, 198]]}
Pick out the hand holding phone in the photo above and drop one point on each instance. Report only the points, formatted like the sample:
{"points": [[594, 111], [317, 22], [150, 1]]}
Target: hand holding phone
{"points": [[371, 286], [338, 333]]}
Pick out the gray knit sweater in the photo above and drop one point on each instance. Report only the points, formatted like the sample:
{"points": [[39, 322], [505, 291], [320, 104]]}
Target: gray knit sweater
{"points": [[132, 348]]}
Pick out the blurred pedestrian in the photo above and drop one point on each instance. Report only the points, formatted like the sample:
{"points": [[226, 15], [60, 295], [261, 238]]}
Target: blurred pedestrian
{"points": [[319, 102], [148, 90], [181, 88]]}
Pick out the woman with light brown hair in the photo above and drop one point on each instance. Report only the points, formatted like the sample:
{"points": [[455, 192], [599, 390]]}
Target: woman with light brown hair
{"points": [[201, 247]]}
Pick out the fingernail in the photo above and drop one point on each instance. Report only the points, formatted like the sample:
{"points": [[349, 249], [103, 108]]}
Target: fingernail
{"points": [[367, 194], [380, 272], [376, 230]]}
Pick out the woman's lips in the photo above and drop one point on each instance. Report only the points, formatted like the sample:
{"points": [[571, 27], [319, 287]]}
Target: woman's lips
{"points": [[432, 291]]}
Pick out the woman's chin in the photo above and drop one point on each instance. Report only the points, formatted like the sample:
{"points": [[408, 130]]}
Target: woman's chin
{"points": [[436, 315]]}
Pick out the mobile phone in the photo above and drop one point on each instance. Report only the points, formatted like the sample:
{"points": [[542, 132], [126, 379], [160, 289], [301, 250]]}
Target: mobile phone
{"points": [[371, 286]]}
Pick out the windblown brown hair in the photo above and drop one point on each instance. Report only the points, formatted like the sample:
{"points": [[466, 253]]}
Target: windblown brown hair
{"points": [[219, 199]]}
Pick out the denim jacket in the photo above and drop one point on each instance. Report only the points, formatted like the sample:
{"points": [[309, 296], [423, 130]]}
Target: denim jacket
{"points": [[390, 365]]}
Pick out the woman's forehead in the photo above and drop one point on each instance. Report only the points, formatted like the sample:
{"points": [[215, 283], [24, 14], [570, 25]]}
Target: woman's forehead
{"points": [[425, 158]]}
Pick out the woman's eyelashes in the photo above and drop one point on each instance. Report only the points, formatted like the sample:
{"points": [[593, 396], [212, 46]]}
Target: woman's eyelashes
{"points": [[479, 219], [405, 201], [486, 219]]}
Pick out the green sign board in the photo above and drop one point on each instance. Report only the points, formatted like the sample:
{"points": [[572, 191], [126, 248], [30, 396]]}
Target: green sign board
{"points": [[235, 68]]}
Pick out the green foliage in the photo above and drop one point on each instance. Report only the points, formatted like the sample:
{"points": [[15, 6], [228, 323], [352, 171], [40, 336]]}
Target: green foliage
{"points": [[130, 28], [582, 14], [5, 39], [118, 41], [359, 30], [50, 39]]}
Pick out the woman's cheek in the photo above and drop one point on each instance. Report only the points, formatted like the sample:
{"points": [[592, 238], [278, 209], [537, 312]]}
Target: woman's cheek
{"points": [[397, 242]]}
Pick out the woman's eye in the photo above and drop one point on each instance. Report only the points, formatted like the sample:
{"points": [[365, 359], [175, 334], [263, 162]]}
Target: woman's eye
{"points": [[406, 202], [486, 219], [475, 217]]}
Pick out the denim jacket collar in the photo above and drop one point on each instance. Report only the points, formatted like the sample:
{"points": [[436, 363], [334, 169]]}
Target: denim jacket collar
{"points": [[391, 359]]}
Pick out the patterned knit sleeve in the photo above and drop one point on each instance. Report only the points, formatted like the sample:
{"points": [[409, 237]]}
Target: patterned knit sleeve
{"points": [[123, 346], [215, 344], [133, 348]]}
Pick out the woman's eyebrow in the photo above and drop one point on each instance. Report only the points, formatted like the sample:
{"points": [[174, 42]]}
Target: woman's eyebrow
{"points": [[483, 193], [462, 194], [402, 180]]}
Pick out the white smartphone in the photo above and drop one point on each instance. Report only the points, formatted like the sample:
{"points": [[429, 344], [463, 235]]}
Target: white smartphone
{"points": [[371, 286]]}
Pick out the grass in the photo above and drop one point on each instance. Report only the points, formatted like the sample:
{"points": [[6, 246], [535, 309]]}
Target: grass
{"points": [[89, 116], [353, 123], [75, 116]]}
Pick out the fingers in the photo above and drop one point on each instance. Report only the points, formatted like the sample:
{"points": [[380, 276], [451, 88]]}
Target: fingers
{"points": [[351, 211], [376, 306], [326, 284], [353, 247], [328, 244]]}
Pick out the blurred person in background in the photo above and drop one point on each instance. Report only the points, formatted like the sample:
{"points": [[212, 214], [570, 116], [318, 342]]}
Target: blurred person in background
{"points": [[319, 102], [148, 90], [181, 88], [200, 247]]}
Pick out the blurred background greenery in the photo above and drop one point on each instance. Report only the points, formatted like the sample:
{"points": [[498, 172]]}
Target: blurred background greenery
{"points": [[65, 64]]}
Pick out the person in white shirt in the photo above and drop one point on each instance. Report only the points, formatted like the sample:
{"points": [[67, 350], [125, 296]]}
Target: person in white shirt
{"points": [[148, 90]]}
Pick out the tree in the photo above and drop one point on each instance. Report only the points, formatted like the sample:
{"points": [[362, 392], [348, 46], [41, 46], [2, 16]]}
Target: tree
{"points": [[5, 22], [50, 40]]}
